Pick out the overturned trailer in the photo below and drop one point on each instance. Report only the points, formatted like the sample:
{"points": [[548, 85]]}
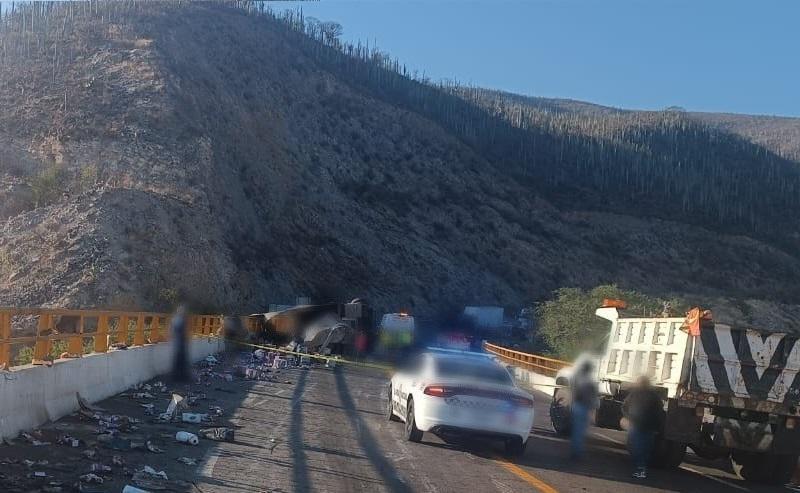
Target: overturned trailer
{"points": [[293, 323]]}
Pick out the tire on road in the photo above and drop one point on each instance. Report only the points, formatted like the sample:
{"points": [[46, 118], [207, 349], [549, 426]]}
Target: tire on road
{"points": [[389, 411], [667, 454], [413, 434], [560, 414], [608, 414], [707, 450], [772, 469], [515, 447]]}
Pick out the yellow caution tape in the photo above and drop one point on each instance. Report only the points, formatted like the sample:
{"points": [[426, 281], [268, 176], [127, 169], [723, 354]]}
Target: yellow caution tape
{"points": [[336, 359]]}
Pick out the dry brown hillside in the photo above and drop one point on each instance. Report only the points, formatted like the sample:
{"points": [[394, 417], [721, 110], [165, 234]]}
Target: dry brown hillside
{"points": [[194, 150]]}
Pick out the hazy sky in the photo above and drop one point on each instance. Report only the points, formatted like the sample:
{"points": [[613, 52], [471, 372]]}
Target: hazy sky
{"points": [[704, 55]]}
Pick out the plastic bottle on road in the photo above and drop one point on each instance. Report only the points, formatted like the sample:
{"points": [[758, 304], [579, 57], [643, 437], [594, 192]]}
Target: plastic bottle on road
{"points": [[186, 437]]}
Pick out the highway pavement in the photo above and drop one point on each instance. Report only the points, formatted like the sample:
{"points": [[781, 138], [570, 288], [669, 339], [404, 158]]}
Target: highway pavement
{"points": [[327, 432], [323, 430]]}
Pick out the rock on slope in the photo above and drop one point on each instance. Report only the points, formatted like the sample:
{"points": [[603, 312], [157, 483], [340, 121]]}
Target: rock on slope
{"points": [[208, 157]]}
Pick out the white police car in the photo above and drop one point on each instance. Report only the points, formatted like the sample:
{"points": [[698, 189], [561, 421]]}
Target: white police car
{"points": [[463, 393]]}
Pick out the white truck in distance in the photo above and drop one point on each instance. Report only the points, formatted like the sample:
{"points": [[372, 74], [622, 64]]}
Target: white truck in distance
{"points": [[728, 390]]}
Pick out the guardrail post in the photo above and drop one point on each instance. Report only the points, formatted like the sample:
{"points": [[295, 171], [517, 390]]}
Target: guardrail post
{"points": [[42, 345], [138, 337], [122, 329], [5, 335], [154, 328], [101, 336], [75, 343]]}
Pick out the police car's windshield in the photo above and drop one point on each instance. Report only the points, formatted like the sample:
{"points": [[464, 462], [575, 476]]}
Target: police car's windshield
{"points": [[478, 370]]}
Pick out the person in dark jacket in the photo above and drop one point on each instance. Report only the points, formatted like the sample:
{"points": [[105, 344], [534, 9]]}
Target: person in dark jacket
{"points": [[584, 401], [644, 410], [180, 346]]}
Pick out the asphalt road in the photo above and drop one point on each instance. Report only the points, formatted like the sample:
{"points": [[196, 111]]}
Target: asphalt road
{"points": [[320, 430], [327, 432]]}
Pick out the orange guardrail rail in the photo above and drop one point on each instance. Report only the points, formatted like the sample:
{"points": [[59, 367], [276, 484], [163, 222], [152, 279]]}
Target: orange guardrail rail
{"points": [[533, 362], [38, 334]]}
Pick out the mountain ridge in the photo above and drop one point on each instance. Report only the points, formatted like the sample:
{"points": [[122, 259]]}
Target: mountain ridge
{"points": [[780, 134], [208, 152]]}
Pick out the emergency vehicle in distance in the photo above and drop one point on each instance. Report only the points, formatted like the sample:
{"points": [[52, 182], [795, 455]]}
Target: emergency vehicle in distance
{"points": [[454, 392], [396, 332]]}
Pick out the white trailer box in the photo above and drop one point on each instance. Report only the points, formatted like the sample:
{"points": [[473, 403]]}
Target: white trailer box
{"points": [[485, 317]]}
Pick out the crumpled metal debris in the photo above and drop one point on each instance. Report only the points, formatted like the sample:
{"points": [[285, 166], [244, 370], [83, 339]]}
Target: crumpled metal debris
{"points": [[100, 468], [85, 406], [91, 478], [220, 434], [175, 404], [34, 440], [153, 448], [152, 472], [69, 441], [150, 479], [114, 442], [187, 460], [30, 463]]}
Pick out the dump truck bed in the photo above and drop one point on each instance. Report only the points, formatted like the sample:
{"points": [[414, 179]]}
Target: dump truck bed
{"points": [[745, 363], [656, 347], [743, 367]]}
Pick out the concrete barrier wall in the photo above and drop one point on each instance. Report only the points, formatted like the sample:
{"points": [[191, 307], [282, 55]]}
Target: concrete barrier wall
{"points": [[531, 380], [33, 395]]}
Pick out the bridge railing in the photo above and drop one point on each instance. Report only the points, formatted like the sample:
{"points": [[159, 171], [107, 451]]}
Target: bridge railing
{"points": [[533, 362], [37, 334]]}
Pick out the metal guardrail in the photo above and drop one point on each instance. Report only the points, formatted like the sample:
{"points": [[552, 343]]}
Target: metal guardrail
{"points": [[533, 362], [36, 333]]}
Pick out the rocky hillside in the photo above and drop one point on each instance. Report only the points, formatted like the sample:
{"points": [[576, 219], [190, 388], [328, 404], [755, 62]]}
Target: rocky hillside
{"points": [[151, 151]]}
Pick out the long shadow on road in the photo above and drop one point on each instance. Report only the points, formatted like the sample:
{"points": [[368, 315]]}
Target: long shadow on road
{"points": [[365, 439], [299, 461]]}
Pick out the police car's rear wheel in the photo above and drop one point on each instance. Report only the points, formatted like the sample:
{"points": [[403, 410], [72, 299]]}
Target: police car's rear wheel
{"points": [[389, 411], [515, 447], [413, 434]]}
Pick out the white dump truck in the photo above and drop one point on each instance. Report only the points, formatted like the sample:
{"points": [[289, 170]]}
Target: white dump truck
{"points": [[728, 390]]}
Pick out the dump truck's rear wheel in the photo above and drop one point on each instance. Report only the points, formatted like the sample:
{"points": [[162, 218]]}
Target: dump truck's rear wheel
{"points": [[764, 468], [560, 413], [707, 450]]}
